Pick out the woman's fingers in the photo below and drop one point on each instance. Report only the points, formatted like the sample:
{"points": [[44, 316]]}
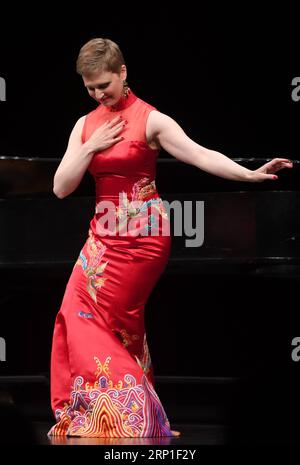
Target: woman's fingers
{"points": [[118, 128], [268, 170], [279, 165], [115, 121], [117, 139], [283, 160], [275, 165]]}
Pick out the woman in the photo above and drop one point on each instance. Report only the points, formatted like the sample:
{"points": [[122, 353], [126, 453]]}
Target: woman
{"points": [[102, 381]]}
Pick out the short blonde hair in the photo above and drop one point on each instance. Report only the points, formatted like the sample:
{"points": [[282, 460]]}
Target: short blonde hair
{"points": [[99, 55]]}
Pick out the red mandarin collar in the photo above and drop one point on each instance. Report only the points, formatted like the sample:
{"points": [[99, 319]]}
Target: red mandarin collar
{"points": [[123, 102]]}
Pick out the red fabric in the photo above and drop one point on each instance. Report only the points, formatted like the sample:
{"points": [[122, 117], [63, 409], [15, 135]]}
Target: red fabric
{"points": [[102, 380]]}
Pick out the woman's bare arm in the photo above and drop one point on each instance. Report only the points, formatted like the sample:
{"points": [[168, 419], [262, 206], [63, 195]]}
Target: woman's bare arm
{"points": [[79, 155], [173, 139], [73, 164]]}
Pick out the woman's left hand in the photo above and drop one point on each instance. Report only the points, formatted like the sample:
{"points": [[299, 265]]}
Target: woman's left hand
{"points": [[268, 170]]}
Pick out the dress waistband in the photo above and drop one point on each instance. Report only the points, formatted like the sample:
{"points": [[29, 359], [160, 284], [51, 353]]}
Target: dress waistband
{"points": [[110, 188]]}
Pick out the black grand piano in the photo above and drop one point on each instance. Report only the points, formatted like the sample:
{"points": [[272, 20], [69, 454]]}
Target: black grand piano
{"points": [[221, 320]]}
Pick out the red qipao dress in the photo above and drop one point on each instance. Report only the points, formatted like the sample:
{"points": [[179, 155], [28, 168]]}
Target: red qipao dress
{"points": [[102, 382]]}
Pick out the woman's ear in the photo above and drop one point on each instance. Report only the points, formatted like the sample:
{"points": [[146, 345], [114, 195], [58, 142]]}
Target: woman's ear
{"points": [[123, 72]]}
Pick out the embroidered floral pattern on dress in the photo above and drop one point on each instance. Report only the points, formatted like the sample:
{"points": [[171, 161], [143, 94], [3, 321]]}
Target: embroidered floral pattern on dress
{"points": [[85, 314], [127, 339], [145, 361], [143, 189], [92, 266], [126, 409], [138, 207], [102, 368]]}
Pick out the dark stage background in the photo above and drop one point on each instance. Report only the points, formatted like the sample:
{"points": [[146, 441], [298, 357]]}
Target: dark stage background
{"points": [[226, 78], [224, 75]]}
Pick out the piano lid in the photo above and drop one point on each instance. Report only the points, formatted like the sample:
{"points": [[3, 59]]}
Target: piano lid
{"points": [[33, 177]]}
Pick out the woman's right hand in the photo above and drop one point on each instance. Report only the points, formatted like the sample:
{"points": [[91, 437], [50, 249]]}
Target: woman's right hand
{"points": [[106, 135]]}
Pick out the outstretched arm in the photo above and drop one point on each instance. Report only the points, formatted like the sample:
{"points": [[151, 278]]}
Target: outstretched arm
{"points": [[173, 139]]}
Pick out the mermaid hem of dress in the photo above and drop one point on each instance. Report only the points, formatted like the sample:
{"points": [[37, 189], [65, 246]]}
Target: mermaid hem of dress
{"points": [[132, 411]]}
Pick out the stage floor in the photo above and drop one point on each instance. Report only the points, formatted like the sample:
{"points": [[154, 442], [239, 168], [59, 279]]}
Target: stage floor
{"points": [[195, 434]]}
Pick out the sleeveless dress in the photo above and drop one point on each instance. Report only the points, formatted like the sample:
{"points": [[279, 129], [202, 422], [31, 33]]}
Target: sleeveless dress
{"points": [[102, 382]]}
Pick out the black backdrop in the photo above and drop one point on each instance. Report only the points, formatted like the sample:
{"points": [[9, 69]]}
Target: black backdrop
{"points": [[224, 74]]}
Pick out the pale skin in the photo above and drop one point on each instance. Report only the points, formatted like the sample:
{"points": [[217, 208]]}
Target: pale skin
{"points": [[162, 131]]}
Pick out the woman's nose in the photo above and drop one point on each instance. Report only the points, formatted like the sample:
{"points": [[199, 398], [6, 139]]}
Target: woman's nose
{"points": [[99, 94]]}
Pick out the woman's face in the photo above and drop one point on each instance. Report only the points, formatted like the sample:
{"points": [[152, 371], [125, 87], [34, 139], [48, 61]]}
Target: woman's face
{"points": [[105, 87]]}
